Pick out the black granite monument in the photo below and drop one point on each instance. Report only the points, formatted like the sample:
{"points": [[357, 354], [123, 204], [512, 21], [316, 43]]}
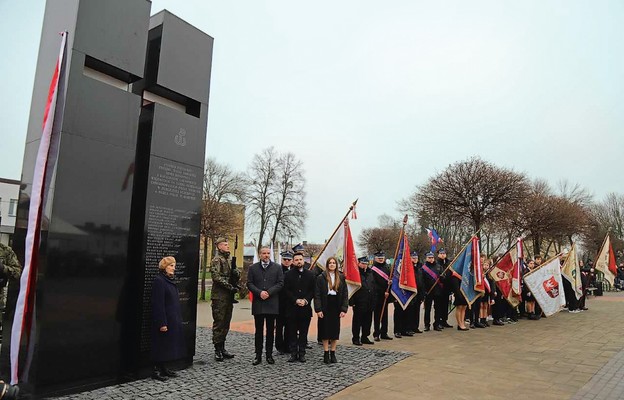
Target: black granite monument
{"points": [[126, 189]]}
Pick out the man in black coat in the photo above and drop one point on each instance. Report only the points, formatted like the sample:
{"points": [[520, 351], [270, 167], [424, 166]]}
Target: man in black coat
{"points": [[298, 294], [434, 292], [265, 279], [381, 273], [282, 342], [446, 288], [363, 303], [413, 310]]}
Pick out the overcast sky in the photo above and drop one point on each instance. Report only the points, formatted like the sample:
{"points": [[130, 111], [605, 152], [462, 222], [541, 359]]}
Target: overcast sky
{"points": [[375, 97]]}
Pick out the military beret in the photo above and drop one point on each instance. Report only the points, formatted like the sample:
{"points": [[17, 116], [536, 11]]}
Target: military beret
{"points": [[221, 240]]}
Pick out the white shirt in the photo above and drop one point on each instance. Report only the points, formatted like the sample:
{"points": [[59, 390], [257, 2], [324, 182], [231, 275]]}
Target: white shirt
{"points": [[332, 277]]}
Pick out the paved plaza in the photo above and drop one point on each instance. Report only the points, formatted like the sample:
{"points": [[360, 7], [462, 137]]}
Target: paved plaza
{"points": [[567, 356]]}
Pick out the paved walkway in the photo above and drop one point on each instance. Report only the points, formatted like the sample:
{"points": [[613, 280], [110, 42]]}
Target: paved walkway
{"points": [[566, 356]]}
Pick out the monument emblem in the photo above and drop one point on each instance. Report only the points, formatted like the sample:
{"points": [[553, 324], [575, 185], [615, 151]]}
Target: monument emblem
{"points": [[180, 138]]}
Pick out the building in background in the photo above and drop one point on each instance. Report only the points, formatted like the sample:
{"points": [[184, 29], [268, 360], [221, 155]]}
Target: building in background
{"points": [[9, 193]]}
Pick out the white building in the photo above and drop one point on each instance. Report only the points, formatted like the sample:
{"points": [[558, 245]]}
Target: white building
{"points": [[9, 193]]}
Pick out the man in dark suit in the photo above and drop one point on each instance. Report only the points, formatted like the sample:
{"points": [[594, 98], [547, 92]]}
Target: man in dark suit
{"points": [[282, 341], [363, 303], [265, 279], [298, 292]]}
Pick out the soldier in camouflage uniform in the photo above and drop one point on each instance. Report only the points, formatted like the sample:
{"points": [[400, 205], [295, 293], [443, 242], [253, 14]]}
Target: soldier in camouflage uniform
{"points": [[224, 287], [10, 268]]}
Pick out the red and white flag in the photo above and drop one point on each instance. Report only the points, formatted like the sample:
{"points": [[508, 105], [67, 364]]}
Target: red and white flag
{"points": [[605, 262], [23, 323]]}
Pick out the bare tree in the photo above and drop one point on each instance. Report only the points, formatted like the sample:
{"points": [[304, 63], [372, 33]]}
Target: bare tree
{"points": [[221, 216], [288, 204], [471, 193], [261, 176]]}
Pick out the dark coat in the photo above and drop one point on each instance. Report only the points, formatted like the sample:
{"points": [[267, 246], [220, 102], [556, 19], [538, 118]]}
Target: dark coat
{"points": [[429, 280], [320, 293], [420, 281], [381, 284], [364, 298], [282, 293], [271, 280], [298, 285], [166, 311]]}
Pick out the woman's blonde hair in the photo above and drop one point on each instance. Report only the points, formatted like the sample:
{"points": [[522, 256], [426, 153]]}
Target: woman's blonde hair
{"points": [[336, 284], [165, 262]]}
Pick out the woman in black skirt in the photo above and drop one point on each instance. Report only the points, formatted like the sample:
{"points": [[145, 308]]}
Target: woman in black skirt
{"points": [[460, 302], [330, 303], [527, 296]]}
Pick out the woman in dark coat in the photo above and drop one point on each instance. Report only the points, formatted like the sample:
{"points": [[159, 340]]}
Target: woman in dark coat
{"points": [[167, 339], [331, 302]]}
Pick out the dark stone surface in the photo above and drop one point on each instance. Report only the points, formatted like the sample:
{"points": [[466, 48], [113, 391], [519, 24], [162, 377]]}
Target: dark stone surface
{"points": [[238, 379]]}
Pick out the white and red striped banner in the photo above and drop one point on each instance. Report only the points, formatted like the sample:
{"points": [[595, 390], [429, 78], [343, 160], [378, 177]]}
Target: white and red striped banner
{"points": [[517, 268], [478, 267], [23, 322]]}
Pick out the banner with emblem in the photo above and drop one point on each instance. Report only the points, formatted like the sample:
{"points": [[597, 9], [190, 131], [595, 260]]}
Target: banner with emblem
{"points": [[605, 262], [403, 279], [340, 245], [571, 271], [506, 272], [464, 266], [546, 285]]}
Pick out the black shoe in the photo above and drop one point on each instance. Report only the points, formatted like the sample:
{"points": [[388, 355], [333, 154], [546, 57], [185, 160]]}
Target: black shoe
{"points": [[479, 325], [462, 329], [418, 331], [437, 328], [332, 357], [156, 374], [427, 328], [446, 325], [386, 337], [408, 334], [302, 358], [356, 342], [169, 373], [366, 340], [376, 338], [498, 322], [257, 360], [218, 352], [326, 357], [225, 353], [398, 335], [293, 357], [269, 358]]}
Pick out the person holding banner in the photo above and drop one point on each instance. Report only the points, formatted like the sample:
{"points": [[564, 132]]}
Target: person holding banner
{"points": [[363, 303], [434, 292], [527, 296], [446, 289], [381, 273], [460, 302], [414, 308], [331, 302]]}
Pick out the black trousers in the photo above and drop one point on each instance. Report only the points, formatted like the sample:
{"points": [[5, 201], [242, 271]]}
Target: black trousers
{"points": [[400, 319], [413, 314], [380, 323], [362, 321], [438, 309], [499, 307], [298, 333], [260, 321], [445, 304], [282, 341]]}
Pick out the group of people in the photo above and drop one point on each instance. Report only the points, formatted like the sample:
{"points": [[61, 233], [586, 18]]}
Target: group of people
{"points": [[285, 298]]}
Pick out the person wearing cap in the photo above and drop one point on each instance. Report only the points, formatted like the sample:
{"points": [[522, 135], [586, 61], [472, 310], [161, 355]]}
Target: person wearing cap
{"points": [[381, 273], [415, 305], [222, 296], [299, 286], [433, 292], [363, 302], [446, 289], [282, 342]]}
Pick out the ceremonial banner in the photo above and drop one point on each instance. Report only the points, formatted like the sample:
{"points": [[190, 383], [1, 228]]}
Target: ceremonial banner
{"points": [[463, 266], [340, 245], [433, 238], [605, 262], [403, 279], [572, 272], [506, 273], [546, 285], [24, 321]]}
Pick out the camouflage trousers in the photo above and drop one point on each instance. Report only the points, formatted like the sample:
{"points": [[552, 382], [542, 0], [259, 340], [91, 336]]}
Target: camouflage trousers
{"points": [[221, 317]]}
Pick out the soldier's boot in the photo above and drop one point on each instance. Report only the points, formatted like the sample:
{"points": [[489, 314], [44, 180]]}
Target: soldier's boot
{"points": [[225, 353], [218, 352]]}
